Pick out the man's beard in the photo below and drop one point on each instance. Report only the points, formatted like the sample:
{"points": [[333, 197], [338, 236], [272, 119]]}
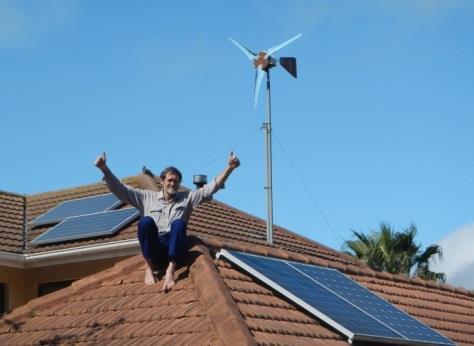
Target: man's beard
{"points": [[171, 191]]}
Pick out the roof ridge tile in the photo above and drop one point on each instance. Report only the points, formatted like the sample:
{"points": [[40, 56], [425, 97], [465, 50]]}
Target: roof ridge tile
{"points": [[219, 305], [9, 193], [72, 190], [147, 182]]}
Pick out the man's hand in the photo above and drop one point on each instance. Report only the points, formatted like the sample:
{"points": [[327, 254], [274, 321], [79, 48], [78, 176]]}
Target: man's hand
{"points": [[100, 162], [234, 161]]}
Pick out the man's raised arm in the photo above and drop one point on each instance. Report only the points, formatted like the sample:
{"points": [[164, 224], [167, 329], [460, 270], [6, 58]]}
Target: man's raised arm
{"points": [[206, 192], [123, 192], [234, 162]]}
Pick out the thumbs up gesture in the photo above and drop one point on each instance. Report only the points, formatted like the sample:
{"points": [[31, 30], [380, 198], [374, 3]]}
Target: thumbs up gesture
{"points": [[234, 161], [100, 162]]}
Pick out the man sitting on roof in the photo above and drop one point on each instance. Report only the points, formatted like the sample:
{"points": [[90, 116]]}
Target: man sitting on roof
{"points": [[164, 215]]}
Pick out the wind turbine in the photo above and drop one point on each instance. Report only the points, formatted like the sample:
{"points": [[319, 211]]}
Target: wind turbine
{"points": [[263, 61]]}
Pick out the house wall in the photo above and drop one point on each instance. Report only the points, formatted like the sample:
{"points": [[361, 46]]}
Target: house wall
{"points": [[22, 284], [14, 279]]}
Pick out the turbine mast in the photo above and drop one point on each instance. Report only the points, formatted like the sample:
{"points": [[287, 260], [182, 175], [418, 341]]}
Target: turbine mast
{"points": [[263, 62], [268, 159]]}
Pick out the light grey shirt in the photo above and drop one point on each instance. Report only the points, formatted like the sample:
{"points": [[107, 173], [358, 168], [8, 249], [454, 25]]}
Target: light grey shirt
{"points": [[152, 203]]}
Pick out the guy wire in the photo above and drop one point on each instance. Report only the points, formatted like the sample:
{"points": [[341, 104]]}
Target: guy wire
{"points": [[232, 147], [308, 191]]}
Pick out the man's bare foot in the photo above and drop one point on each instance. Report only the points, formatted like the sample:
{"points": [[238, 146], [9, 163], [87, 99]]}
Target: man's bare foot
{"points": [[169, 277], [149, 277]]}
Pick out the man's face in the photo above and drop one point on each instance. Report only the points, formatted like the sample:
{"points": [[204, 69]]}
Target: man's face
{"points": [[171, 183]]}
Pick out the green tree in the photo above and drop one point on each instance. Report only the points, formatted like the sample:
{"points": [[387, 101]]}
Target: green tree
{"points": [[396, 252]]}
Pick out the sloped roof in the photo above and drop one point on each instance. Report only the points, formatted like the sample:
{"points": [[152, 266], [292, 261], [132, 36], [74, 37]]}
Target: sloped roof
{"points": [[12, 212], [448, 310], [213, 220], [114, 305], [214, 303], [38, 204], [271, 319]]}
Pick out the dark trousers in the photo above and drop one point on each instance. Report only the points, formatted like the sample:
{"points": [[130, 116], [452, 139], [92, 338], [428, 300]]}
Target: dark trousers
{"points": [[159, 249]]}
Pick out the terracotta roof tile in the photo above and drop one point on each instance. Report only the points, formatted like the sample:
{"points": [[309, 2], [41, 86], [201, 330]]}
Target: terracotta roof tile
{"points": [[41, 203], [429, 303], [213, 220], [119, 309], [268, 316], [277, 339], [115, 307], [448, 312], [12, 213]]}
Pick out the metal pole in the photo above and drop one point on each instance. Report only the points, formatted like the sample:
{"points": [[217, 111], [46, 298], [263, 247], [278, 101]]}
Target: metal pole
{"points": [[268, 142]]}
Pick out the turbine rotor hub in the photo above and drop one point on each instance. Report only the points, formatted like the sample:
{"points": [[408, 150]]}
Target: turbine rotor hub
{"points": [[264, 62]]}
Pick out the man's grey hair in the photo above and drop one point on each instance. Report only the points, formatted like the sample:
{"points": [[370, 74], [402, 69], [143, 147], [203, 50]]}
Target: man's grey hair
{"points": [[172, 170]]}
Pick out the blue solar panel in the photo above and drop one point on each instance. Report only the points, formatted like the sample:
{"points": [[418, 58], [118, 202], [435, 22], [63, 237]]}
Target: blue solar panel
{"points": [[372, 304], [86, 226], [76, 207], [339, 301]]}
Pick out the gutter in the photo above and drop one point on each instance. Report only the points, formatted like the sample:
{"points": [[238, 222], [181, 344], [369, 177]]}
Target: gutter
{"points": [[11, 260], [85, 253]]}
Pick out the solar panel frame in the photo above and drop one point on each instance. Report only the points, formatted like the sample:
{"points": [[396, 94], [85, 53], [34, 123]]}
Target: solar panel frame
{"points": [[73, 207], [233, 256], [289, 295], [72, 229], [380, 312]]}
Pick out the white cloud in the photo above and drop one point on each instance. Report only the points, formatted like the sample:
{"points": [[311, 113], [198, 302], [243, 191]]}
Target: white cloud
{"points": [[12, 22], [50, 14], [464, 276], [458, 263], [20, 21], [425, 11], [301, 16], [431, 8]]}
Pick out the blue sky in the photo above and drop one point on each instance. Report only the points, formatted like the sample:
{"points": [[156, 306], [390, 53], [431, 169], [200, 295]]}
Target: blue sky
{"points": [[377, 127]]}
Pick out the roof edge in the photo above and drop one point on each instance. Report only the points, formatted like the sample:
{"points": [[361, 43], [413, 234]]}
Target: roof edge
{"points": [[16, 194], [219, 305], [12, 260], [78, 286], [72, 188], [85, 253]]}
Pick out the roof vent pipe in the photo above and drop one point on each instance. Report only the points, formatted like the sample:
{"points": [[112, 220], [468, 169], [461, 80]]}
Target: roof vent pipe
{"points": [[199, 180]]}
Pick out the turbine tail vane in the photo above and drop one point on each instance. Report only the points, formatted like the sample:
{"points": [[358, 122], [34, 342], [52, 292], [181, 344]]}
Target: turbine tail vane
{"points": [[289, 64]]}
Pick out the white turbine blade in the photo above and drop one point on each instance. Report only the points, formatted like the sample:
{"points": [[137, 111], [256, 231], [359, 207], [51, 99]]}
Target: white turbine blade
{"points": [[280, 46], [259, 73], [251, 55]]}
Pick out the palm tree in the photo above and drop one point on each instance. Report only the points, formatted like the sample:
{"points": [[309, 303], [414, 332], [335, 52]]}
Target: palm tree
{"points": [[423, 264], [395, 252]]}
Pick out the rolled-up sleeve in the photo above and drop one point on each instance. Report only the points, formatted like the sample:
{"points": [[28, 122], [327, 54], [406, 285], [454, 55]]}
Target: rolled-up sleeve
{"points": [[204, 193], [124, 192]]}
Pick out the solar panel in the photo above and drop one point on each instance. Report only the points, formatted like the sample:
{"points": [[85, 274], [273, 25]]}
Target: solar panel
{"points": [[86, 226], [339, 301], [76, 207]]}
